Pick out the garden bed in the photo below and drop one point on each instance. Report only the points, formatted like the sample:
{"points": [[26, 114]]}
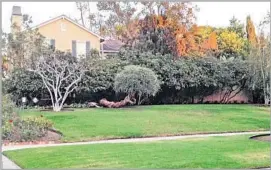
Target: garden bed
{"points": [[52, 136]]}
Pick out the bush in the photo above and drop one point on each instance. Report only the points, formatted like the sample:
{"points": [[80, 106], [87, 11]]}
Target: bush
{"points": [[23, 83], [15, 129], [27, 129], [137, 81], [8, 115]]}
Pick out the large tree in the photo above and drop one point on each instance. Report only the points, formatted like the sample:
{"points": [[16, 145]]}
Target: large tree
{"points": [[60, 75]]}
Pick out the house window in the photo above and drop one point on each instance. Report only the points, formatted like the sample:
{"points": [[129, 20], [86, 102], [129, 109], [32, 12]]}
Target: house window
{"points": [[81, 49], [47, 42], [62, 27], [50, 43]]}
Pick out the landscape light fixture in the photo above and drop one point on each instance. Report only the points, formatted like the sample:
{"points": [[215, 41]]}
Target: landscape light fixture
{"points": [[24, 99], [35, 100]]}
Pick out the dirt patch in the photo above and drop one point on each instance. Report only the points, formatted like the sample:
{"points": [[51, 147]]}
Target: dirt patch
{"points": [[263, 137], [51, 136]]}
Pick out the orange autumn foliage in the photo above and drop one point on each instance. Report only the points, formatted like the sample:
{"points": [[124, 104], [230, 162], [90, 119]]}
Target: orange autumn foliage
{"points": [[187, 44], [211, 42], [251, 33], [196, 41]]}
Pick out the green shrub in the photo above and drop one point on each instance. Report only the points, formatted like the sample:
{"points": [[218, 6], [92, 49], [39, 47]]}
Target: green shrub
{"points": [[137, 81], [8, 116]]}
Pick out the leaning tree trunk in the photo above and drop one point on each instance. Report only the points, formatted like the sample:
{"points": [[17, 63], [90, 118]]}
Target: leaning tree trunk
{"points": [[122, 103]]}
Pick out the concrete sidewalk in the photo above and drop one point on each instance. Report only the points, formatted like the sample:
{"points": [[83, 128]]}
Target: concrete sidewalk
{"points": [[147, 139], [8, 164]]}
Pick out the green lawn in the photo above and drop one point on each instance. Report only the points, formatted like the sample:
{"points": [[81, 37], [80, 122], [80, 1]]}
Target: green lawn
{"points": [[211, 152], [162, 120]]}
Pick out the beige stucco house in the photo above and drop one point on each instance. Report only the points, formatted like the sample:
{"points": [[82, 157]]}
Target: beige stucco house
{"points": [[63, 34]]}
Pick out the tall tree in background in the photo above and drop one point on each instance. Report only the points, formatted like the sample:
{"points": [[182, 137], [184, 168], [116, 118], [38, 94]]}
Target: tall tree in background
{"points": [[205, 40], [83, 8], [237, 26], [251, 33], [230, 44], [93, 21], [120, 22], [172, 21]]}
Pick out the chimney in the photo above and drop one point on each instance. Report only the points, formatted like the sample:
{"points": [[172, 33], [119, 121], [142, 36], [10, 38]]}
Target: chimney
{"points": [[16, 19]]}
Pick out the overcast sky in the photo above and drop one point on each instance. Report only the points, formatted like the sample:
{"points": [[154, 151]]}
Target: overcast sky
{"points": [[211, 13]]}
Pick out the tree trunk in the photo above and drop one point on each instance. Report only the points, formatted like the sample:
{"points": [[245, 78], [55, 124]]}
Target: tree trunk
{"points": [[266, 99], [57, 107], [139, 100]]}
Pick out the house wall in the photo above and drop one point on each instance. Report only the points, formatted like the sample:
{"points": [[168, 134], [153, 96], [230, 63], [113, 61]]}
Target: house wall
{"points": [[63, 38]]}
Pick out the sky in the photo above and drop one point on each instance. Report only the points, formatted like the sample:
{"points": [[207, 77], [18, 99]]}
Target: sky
{"points": [[215, 14]]}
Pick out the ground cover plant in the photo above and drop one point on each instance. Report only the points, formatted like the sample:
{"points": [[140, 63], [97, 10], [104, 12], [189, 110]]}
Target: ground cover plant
{"points": [[156, 120], [211, 152]]}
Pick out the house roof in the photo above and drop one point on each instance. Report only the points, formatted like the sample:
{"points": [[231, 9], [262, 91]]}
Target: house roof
{"points": [[69, 19], [112, 45]]}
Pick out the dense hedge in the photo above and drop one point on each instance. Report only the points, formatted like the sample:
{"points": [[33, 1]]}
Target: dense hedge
{"points": [[182, 80]]}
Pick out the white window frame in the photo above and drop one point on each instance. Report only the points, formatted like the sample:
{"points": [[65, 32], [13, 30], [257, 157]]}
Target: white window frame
{"points": [[47, 42], [80, 53]]}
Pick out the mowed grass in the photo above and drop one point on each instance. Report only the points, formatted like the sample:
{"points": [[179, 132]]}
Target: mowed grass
{"points": [[159, 120], [210, 152]]}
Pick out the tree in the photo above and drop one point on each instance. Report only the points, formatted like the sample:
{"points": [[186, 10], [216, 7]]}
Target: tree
{"points": [[93, 21], [259, 58], [121, 15], [137, 81], [230, 44], [83, 8], [60, 75], [251, 34], [23, 83], [23, 48], [237, 27], [233, 77]]}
